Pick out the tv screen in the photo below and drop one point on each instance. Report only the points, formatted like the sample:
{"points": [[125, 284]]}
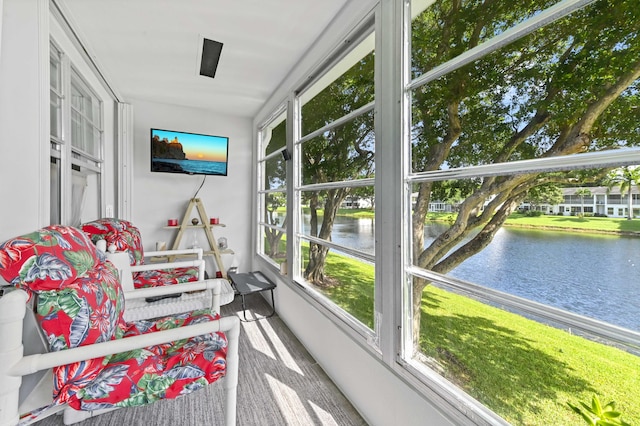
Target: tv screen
{"points": [[189, 153]]}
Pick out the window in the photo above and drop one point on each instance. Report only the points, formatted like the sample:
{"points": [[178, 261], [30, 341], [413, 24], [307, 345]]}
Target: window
{"points": [[272, 184], [336, 161], [511, 104], [85, 118], [76, 144]]}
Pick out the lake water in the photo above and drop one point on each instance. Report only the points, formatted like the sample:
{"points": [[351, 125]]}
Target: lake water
{"points": [[593, 275]]}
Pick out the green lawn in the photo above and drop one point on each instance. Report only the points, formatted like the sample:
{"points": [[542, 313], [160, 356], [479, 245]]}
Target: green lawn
{"points": [[575, 223], [355, 292], [523, 370]]}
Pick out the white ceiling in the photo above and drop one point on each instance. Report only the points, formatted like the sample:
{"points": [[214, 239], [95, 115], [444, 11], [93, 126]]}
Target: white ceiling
{"points": [[150, 49]]}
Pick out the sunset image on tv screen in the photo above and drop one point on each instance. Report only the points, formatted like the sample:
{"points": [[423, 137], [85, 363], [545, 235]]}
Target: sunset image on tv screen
{"points": [[191, 153]]}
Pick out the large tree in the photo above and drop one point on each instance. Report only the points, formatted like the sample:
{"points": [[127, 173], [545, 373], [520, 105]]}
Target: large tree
{"points": [[341, 154], [568, 88], [549, 194]]}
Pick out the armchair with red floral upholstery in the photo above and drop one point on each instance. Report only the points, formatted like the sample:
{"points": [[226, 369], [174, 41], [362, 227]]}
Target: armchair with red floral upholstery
{"points": [[125, 237], [98, 360]]}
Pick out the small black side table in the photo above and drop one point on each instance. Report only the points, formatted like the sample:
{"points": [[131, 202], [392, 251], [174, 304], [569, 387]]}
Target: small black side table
{"points": [[250, 283]]}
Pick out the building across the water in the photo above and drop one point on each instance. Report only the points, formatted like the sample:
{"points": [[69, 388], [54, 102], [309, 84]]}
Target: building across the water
{"points": [[598, 201]]}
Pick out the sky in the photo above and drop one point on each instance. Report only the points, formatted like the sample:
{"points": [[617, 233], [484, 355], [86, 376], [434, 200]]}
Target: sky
{"points": [[197, 147]]}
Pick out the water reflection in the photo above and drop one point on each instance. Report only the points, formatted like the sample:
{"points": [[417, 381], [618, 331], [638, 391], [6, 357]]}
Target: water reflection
{"points": [[357, 234], [597, 276]]}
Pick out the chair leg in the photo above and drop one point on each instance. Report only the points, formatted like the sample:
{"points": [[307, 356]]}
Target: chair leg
{"points": [[71, 416], [12, 311], [230, 381]]}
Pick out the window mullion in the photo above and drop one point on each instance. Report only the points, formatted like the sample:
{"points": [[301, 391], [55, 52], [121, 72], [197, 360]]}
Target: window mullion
{"points": [[388, 179], [65, 151], [294, 195]]}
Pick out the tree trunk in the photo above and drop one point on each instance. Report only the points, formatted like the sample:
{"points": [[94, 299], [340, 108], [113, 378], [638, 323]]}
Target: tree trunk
{"points": [[314, 272], [273, 239], [419, 284], [273, 236]]}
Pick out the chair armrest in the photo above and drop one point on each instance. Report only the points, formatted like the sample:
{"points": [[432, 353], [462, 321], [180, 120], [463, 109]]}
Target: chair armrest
{"points": [[216, 285], [166, 265], [192, 251], [140, 293], [32, 363]]}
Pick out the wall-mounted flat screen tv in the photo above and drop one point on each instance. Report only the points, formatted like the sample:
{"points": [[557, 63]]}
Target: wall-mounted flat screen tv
{"points": [[189, 153]]}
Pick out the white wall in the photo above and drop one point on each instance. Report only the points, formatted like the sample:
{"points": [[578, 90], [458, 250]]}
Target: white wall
{"points": [[24, 115], [23, 155], [1, 8], [160, 196]]}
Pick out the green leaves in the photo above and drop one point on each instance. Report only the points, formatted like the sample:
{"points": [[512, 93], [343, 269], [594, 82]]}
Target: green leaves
{"points": [[139, 354], [597, 415], [82, 261], [65, 300]]}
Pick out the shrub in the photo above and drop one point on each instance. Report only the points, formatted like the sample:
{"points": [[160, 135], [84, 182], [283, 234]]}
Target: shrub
{"points": [[598, 415]]}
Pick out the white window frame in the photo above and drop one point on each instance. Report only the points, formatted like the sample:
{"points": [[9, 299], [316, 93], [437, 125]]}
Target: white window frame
{"points": [[263, 140], [74, 160], [351, 50]]}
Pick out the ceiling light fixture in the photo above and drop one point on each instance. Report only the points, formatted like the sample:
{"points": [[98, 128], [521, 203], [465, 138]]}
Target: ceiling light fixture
{"points": [[210, 56]]}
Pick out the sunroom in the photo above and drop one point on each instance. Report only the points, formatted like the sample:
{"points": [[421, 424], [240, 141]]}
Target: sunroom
{"points": [[476, 314]]}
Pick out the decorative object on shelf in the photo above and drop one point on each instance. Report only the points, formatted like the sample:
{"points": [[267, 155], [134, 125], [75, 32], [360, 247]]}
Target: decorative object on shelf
{"points": [[194, 239], [195, 221], [172, 222], [214, 221], [222, 243]]}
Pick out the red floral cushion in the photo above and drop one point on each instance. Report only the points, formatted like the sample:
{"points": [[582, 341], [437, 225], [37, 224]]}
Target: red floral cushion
{"points": [[79, 297], [47, 259], [126, 237], [88, 310], [162, 277], [121, 233], [146, 375]]}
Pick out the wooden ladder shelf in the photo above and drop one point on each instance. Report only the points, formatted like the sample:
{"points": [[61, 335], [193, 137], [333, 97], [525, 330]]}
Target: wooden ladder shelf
{"points": [[204, 223]]}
